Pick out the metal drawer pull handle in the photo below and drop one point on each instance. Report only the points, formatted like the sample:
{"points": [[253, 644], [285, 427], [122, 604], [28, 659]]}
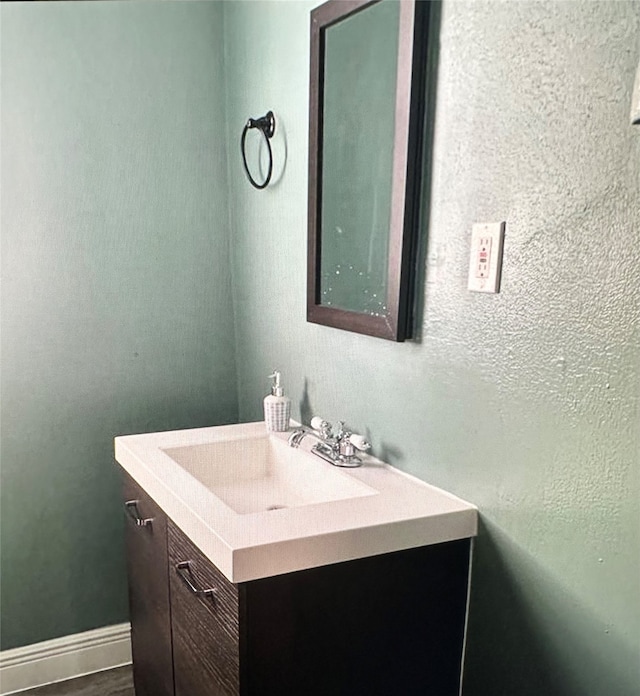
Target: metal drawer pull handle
{"points": [[131, 506], [184, 572]]}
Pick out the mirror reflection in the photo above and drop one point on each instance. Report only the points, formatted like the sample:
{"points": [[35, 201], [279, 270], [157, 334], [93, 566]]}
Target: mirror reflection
{"points": [[358, 122]]}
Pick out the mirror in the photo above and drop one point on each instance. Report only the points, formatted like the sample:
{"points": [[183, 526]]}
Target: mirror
{"points": [[366, 116]]}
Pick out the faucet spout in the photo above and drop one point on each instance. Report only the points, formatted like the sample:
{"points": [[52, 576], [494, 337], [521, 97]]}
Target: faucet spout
{"points": [[296, 437]]}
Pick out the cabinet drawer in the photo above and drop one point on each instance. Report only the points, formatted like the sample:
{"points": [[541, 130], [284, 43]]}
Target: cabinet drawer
{"points": [[205, 626]]}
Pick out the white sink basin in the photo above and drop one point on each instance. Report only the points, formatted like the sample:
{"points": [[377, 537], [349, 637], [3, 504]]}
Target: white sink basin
{"points": [[256, 507], [263, 473]]}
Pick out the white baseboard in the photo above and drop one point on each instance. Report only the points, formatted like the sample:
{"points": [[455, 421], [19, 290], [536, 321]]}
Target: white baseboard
{"points": [[64, 658]]}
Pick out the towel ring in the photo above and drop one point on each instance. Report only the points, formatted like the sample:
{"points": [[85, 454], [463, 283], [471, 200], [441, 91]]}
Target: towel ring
{"points": [[267, 125]]}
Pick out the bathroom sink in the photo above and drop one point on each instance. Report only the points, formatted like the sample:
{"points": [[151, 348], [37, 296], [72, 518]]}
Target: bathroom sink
{"points": [[263, 473], [256, 507]]}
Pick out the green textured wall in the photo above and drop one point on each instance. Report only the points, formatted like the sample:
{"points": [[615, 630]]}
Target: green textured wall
{"points": [[526, 402], [116, 297]]}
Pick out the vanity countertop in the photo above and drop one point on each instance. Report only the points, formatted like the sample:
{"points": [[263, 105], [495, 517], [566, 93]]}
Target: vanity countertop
{"points": [[393, 511]]}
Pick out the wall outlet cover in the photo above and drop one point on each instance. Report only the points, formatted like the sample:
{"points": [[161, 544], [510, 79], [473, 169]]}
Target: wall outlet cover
{"points": [[485, 263], [635, 100]]}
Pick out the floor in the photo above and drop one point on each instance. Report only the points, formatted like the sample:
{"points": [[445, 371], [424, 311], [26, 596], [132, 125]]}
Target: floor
{"points": [[114, 682]]}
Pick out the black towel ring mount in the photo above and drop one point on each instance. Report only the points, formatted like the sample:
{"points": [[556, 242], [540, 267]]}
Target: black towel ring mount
{"points": [[267, 126]]}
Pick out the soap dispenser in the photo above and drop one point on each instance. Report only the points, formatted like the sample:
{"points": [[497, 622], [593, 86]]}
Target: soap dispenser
{"points": [[277, 406]]}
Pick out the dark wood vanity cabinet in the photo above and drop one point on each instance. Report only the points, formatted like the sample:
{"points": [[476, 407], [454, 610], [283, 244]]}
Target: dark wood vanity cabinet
{"points": [[380, 626]]}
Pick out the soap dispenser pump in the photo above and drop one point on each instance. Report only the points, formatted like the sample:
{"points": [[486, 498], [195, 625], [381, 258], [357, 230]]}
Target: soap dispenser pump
{"points": [[277, 407]]}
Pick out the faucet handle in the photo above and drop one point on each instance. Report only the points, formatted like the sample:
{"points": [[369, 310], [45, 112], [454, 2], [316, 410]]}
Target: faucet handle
{"points": [[317, 423], [359, 442], [322, 426], [348, 445]]}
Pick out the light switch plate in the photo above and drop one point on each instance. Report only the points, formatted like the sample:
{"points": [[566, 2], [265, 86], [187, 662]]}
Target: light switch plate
{"points": [[485, 264]]}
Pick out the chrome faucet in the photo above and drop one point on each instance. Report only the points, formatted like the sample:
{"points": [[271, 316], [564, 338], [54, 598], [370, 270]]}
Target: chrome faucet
{"points": [[337, 448]]}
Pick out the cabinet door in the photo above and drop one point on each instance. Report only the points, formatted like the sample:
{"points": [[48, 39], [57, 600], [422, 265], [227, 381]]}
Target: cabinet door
{"points": [[146, 538], [205, 622]]}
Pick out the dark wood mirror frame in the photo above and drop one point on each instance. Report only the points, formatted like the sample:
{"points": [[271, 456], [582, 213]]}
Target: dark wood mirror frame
{"points": [[397, 323]]}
